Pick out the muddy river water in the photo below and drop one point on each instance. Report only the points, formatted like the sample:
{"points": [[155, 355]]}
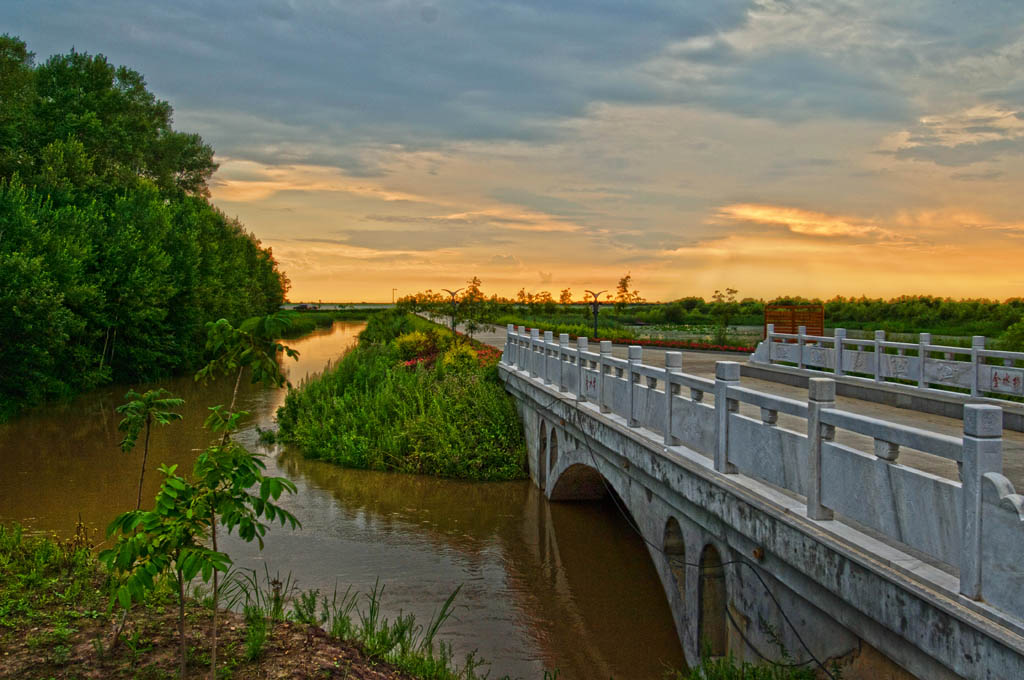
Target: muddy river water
{"points": [[544, 586]]}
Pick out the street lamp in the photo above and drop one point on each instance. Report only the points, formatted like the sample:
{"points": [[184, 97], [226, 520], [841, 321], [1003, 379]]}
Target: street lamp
{"points": [[455, 304], [595, 304]]}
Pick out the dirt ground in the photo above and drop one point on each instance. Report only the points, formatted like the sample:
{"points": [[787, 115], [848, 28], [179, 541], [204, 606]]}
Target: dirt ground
{"points": [[149, 648]]}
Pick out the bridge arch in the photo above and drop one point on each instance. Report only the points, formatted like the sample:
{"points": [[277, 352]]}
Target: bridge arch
{"points": [[713, 599]]}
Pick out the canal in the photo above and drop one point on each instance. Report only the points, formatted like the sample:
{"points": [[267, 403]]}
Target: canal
{"points": [[544, 586]]}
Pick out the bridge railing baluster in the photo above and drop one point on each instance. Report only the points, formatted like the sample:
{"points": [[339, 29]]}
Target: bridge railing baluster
{"points": [[548, 342], [727, 373], [821, 394], [673, 364], [635, 357], [563, 359], [581, 369], [982, 453], [604, 376]]}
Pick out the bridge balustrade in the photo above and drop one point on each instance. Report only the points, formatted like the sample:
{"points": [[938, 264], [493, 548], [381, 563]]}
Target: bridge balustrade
{"points": [[975, 525], [921, 364]]}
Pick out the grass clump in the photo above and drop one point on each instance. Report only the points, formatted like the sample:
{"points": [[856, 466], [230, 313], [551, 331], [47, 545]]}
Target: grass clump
{"points": [[411, 397]]}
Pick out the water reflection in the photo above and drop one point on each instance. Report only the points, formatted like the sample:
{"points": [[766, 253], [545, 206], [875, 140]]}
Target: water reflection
{"points": [[543, 586]]}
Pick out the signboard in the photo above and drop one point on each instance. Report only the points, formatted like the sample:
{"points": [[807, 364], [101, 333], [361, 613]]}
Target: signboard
{"points": [[788, 318]]}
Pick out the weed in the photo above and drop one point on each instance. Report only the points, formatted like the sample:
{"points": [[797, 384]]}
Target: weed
{"points": [[255, 632]]}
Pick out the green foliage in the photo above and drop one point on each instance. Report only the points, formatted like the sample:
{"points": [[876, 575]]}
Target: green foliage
{"points": [[1012, 339], [729, 668], [252, 346], [112, 258], [140, 412], [255, 632], [412, 345], [410, 646], [460, 357], [374, 411]]}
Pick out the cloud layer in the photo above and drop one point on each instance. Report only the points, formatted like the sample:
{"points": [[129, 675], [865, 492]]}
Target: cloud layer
{"points": [[537, 144]]}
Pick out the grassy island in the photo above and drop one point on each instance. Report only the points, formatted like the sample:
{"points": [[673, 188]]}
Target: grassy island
{"points": [[411, 397]]}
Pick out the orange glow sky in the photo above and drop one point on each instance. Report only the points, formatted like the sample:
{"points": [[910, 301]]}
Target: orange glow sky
{"points": [[811, 148]]}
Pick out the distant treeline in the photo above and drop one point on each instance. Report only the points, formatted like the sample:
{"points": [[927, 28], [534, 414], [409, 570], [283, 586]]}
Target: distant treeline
{"points": [[111, 257]]}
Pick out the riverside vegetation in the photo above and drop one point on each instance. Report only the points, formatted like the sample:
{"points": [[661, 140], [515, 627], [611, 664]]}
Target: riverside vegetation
{"points": [[57, 599], [112, 258], [411, 397]]}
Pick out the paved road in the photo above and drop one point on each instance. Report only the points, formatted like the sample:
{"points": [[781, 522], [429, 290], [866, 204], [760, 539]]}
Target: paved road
{"points": [[703, 364]]}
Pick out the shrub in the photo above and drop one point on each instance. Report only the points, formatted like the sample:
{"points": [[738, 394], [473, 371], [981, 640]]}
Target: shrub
{"points": [[459, 357], [412, 345]]}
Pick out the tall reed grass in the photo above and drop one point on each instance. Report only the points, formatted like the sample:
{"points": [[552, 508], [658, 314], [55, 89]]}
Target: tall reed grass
{"points": [[379, 410]]}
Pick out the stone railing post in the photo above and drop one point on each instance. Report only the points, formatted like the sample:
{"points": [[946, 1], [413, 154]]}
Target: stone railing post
{"points": [[801, 331], [879, 338], [673, 364], [510, 346], [634, 357], [581, 369], [839, 336], [982, 453], [603, 368], [977, 343], [923, 340], [549, 340], [769, 331], [522, 352], [563, 356], [821, 393], [534, 342], [726, 373]]}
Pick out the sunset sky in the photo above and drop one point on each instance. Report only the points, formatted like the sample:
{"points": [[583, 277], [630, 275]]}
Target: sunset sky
{"points": [[810, 148]]}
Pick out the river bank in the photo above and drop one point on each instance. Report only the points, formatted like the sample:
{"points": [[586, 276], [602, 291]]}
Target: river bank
{"points": [[55, 623]]}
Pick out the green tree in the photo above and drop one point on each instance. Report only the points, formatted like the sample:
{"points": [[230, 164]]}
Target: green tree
{"points": [[723, 308], [253, 346], [624, 294], [140, 412]]}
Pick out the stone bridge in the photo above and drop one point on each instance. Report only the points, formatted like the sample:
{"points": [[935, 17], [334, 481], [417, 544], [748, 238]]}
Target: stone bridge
{"points": [[781, 523]]}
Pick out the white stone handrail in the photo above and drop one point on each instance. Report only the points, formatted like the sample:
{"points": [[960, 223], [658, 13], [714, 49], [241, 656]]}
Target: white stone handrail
{"points": [[958, 522], [883, 360]]}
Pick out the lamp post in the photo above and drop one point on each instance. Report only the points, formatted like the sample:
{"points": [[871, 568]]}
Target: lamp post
{"points": [[455, 304], [595, 305]]}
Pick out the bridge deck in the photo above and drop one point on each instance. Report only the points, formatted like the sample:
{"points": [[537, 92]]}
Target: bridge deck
{"points": [[703, 364]]}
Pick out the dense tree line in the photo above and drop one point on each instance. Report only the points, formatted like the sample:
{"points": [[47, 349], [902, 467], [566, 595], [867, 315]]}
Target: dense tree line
{"points": [[111, 257]]}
